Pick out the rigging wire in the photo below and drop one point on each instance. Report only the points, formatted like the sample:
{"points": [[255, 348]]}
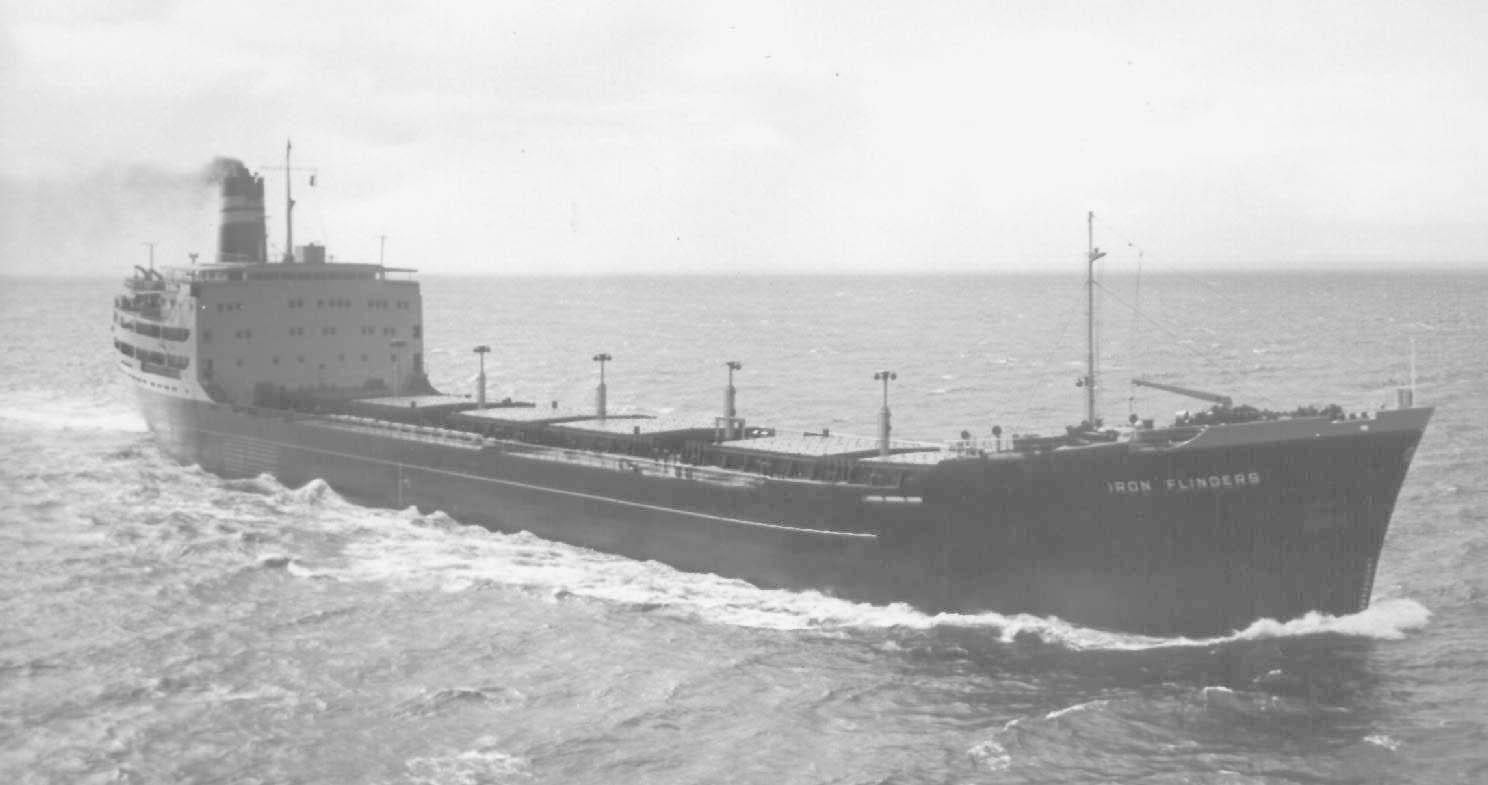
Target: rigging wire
{"points": [[1141, 252], [1133, 333], [1362, 370], [325, 235], [1065, 322], [1178, 338]]}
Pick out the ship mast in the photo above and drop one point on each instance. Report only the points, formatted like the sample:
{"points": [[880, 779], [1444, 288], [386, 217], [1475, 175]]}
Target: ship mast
{"points": [[288, 208], [1090, 258]]}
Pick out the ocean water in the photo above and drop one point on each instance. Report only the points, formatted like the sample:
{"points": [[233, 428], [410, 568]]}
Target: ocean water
{"points": [[159, 624]]}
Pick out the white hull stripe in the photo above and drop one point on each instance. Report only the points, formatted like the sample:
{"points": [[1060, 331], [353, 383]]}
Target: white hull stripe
{"points": [[893, 499], [556, 491]]}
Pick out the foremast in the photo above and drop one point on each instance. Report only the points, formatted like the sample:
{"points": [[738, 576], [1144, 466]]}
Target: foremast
{"points": [[1089, 382]]}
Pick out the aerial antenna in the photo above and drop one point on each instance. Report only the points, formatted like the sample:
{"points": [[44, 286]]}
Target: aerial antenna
{"points": [[288, 208], [1413, 368]]}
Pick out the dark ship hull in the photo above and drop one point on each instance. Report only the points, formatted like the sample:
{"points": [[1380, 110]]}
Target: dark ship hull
{"points": [[1263, 520]]}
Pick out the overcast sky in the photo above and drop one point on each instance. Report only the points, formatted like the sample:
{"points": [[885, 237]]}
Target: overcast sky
{"points": [[696, 137]]}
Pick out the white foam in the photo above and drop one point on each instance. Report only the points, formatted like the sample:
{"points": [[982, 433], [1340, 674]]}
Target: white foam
{"points": [[1057, 713], [52, 412], [1385, 620], [317, 492], [1381, 740], [483, 764], [991, 755]]}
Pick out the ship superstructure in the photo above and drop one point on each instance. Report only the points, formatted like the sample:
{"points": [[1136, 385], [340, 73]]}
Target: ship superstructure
{"points": [[308, 367]]}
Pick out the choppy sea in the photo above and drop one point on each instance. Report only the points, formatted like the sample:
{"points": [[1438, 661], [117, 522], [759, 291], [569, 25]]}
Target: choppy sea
{"points": [[159, 624]]}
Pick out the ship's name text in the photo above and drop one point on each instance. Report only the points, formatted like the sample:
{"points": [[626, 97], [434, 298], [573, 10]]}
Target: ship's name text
{"points": [[1213, 482]]}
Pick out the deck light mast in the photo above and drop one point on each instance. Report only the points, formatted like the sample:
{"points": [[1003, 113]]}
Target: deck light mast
{"points": [[730, 414], [480, 380], [883, 414], [599, 392]]}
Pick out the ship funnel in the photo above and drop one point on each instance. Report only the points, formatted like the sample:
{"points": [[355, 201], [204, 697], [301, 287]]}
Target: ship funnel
{"points": [[242, 234]]}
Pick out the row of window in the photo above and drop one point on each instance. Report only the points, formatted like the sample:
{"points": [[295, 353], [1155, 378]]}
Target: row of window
{"points": [[339, 358], [333, 302], [418, 361], [318, 275], [152, 330], [149, 358], [294, 332]]}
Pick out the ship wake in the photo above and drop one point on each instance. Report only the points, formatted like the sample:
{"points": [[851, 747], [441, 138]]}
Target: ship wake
{"points": [[48, 412]]}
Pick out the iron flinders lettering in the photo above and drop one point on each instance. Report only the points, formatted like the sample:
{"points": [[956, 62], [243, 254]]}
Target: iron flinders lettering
{"points": [[1211, 482]]}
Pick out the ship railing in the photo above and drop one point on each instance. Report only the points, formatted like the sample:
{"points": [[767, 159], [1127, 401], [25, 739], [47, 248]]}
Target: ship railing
{"points": [[422, 433], [665, 467], [650, 467], [977, 445], [144, 284], [160, 370]]}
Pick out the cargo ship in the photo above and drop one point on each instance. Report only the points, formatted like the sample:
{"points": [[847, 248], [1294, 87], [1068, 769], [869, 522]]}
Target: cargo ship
{"points": [[1196, 527]]}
